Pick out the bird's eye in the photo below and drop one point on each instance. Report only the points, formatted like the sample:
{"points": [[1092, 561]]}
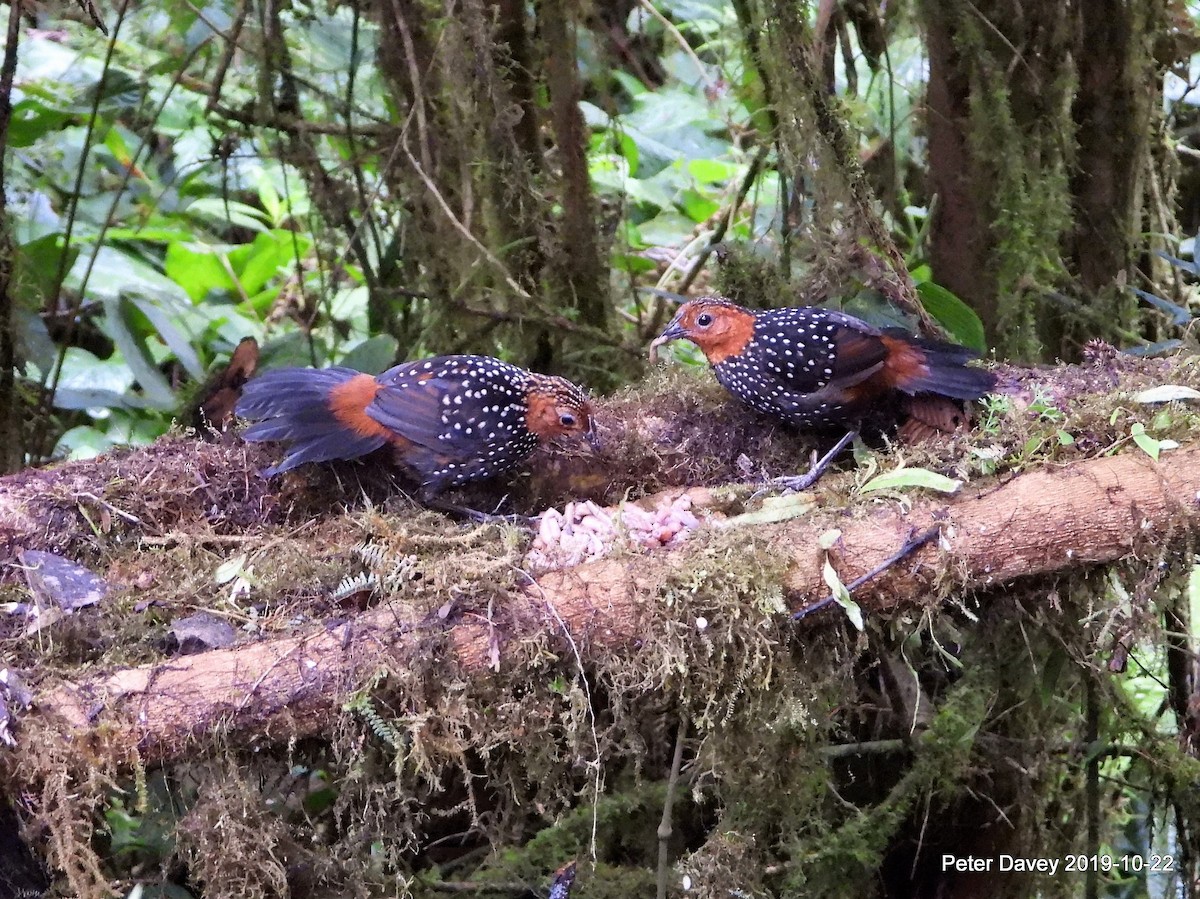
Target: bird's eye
{"points": [[704, 319], [567, 420]]}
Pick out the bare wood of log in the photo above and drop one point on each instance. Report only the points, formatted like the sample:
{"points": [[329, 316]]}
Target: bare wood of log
{"points": [[1046, 520]]}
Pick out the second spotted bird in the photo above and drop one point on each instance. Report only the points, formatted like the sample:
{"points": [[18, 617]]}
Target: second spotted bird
{"points": [[818, 368], [450, 419]]}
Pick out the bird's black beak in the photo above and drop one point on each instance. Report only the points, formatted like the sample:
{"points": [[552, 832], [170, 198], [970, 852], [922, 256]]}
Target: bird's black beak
{"points": [[593, 439], [673, 331]]}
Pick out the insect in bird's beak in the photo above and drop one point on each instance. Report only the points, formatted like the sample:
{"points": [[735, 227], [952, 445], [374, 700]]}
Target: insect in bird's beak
{"points": [[673, 331]]}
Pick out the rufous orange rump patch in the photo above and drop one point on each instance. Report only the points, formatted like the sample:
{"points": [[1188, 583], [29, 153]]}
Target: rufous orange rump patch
{"points": [[905, 363], [348, 402]]}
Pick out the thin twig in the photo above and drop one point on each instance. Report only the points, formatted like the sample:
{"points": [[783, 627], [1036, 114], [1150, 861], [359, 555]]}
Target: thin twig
{"points": [[463, 229], [675, 33], [906, 550], [664, 827], [868, 747], [718, 233], [231, 47], [10, 456], [128, 516], [591, 712]]}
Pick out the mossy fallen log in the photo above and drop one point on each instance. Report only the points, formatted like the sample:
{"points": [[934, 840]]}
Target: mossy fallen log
{"points": [[1048, 520], [446, 685]]}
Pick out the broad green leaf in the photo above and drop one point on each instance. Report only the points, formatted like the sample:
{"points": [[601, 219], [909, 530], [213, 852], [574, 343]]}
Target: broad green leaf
{"points": [[954, 315], [633, 263], [372, 355], [698, 207], [200, 270], [1149, 445], [292, 348], [108, 380], [33, 339], [609, 173], [33, 119], [593, 115], [842, 596], [122, 327], [256, 263], [92, 399], [174, 332], [117, 273], [901, 478], [149, 234], [632, 85], [713, 171], [1166, 393], [222, 211], [667, 229], [83, 442], [230, 568], [774, 509], [38, 263]]}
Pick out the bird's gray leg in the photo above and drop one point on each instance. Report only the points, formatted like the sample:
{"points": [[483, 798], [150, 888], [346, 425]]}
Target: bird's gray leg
{"points": [[806, 480]]}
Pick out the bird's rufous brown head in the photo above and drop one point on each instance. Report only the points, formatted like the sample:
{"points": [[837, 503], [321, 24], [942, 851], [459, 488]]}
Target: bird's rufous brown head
{"points": [[720, 328], [557, 410]]}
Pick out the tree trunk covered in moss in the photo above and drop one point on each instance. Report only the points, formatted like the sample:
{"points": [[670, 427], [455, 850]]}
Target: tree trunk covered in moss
{"points": [[12, 426], [496, 261], [1038, 115], [846, 234]]}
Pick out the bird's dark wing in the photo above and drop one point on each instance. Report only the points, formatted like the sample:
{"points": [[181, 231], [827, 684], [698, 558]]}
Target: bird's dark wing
{"points": [[818, 350], [858, 355], [455, 404], [410, 402]]}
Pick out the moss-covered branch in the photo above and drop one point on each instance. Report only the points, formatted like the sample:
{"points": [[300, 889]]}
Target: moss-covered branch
{"points": [[1054, 519]]}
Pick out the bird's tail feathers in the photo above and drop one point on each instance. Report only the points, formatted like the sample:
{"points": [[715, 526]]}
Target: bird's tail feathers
{"points": [[932, 366], [293, 405]]}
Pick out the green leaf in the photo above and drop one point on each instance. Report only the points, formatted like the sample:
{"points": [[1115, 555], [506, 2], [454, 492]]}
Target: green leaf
{"points": [[1149, 445], [901, 478], [199, 270], [292, 348], [257, 263], [172, 327], [132, 344], [842, 596], [633, 263], [954, 315], [230, 569], [775, 508], [667, 229], [372, 355], [33, 119], [228, 212], [37, 266], [632, 85], [698, 207], [713, 171]]}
